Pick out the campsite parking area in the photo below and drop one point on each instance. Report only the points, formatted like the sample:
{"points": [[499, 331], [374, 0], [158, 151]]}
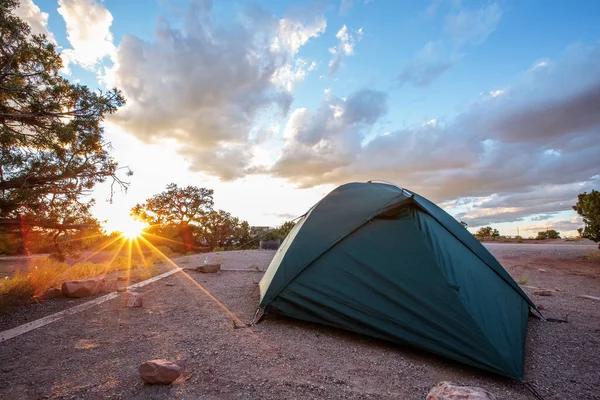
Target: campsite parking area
{"points": [[187, 319]]}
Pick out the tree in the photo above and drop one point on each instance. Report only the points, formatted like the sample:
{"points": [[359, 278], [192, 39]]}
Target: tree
{"points": [[285, 229], [487, 231], [175, 206], [52, 148], [588, 207], [174, 211], [221, 229], [548, 234]]}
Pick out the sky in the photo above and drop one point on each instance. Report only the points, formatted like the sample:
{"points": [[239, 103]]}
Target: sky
{"points": [[491, 109]]}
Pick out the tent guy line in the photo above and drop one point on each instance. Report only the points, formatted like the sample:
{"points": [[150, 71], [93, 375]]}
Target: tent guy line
{"points": [[30, 326]]}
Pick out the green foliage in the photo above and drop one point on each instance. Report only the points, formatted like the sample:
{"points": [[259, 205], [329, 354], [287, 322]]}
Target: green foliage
{"points": [[218, 249], [588, 206], [487, 232], [52, 148], [175, 206], [548, 234], [186, 219], [277, 233]]}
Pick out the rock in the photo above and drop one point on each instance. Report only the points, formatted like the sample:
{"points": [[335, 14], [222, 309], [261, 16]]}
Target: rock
{"points": [[542, 292], [131, 299], [209, 268], [89, 287], [451, 391], [161, 372], [542, 270]]}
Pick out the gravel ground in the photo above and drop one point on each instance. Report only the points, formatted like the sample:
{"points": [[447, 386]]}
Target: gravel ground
{"points": [[96, 354], [561, 251]]}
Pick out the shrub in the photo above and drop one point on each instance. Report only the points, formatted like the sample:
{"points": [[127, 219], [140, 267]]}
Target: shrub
{"points": [[46, 273], [18, 289], [165, 250], [218, 249], [548, 234]]}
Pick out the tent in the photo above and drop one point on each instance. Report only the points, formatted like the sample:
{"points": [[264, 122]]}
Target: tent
{"points": [[385, 262]]}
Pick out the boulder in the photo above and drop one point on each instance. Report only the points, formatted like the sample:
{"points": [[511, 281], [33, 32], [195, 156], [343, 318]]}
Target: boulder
{"points": [[451, 391], [131, 299], [209, 268], [85, 288], [160, 372]]}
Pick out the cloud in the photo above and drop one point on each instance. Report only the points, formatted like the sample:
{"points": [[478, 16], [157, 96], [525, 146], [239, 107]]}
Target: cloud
{"points": [[431, 62], [37, 20], [473, 26], [320, 143], [465, 27], [346, 6], [345, 47], [560, 226], [293, 34], [511, 153], [206, 86], [88, 31]]}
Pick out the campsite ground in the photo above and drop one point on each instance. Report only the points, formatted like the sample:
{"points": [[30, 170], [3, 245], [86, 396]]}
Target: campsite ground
{"points": [[95, 354]]}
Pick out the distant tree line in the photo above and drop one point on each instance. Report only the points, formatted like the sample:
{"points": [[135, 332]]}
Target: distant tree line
{"points": [[184, 220]]}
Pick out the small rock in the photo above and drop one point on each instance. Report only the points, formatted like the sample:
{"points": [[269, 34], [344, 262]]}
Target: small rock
{"points": [[451, 391], [542, 292], [169, 284], [209, 268], [131, 299], [542, 270], [160, 372], [89, 287]]}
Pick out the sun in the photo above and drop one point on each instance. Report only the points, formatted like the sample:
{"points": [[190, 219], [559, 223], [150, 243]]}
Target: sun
{"points": [[129, 228]]}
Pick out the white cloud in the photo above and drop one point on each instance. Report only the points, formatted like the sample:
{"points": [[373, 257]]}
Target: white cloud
{"points": [[473, 26], [431, 62], [465, 27], [37, 20], [345, 47], [321, 142], [216, 85], [293, 34], [88, 31], [527, 151]]}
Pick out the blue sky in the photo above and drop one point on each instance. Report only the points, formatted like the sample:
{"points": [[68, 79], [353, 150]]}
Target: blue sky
{"points": [[487, 107]]}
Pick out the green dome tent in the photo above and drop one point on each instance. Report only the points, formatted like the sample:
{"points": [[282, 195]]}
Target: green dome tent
{"points": [[385, 262]]}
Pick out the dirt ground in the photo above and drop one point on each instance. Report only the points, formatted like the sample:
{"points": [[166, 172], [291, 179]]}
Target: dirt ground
{"points": [[95, 354]]}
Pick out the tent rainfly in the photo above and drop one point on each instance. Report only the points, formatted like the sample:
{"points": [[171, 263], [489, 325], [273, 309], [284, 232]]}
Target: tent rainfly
{"points": [[385, 262]]}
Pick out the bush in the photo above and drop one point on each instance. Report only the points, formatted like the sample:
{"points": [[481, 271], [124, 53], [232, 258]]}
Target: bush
{"points": [[218, 249], [549, 234], [15, 290], [46, 273], [165, 250]]}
